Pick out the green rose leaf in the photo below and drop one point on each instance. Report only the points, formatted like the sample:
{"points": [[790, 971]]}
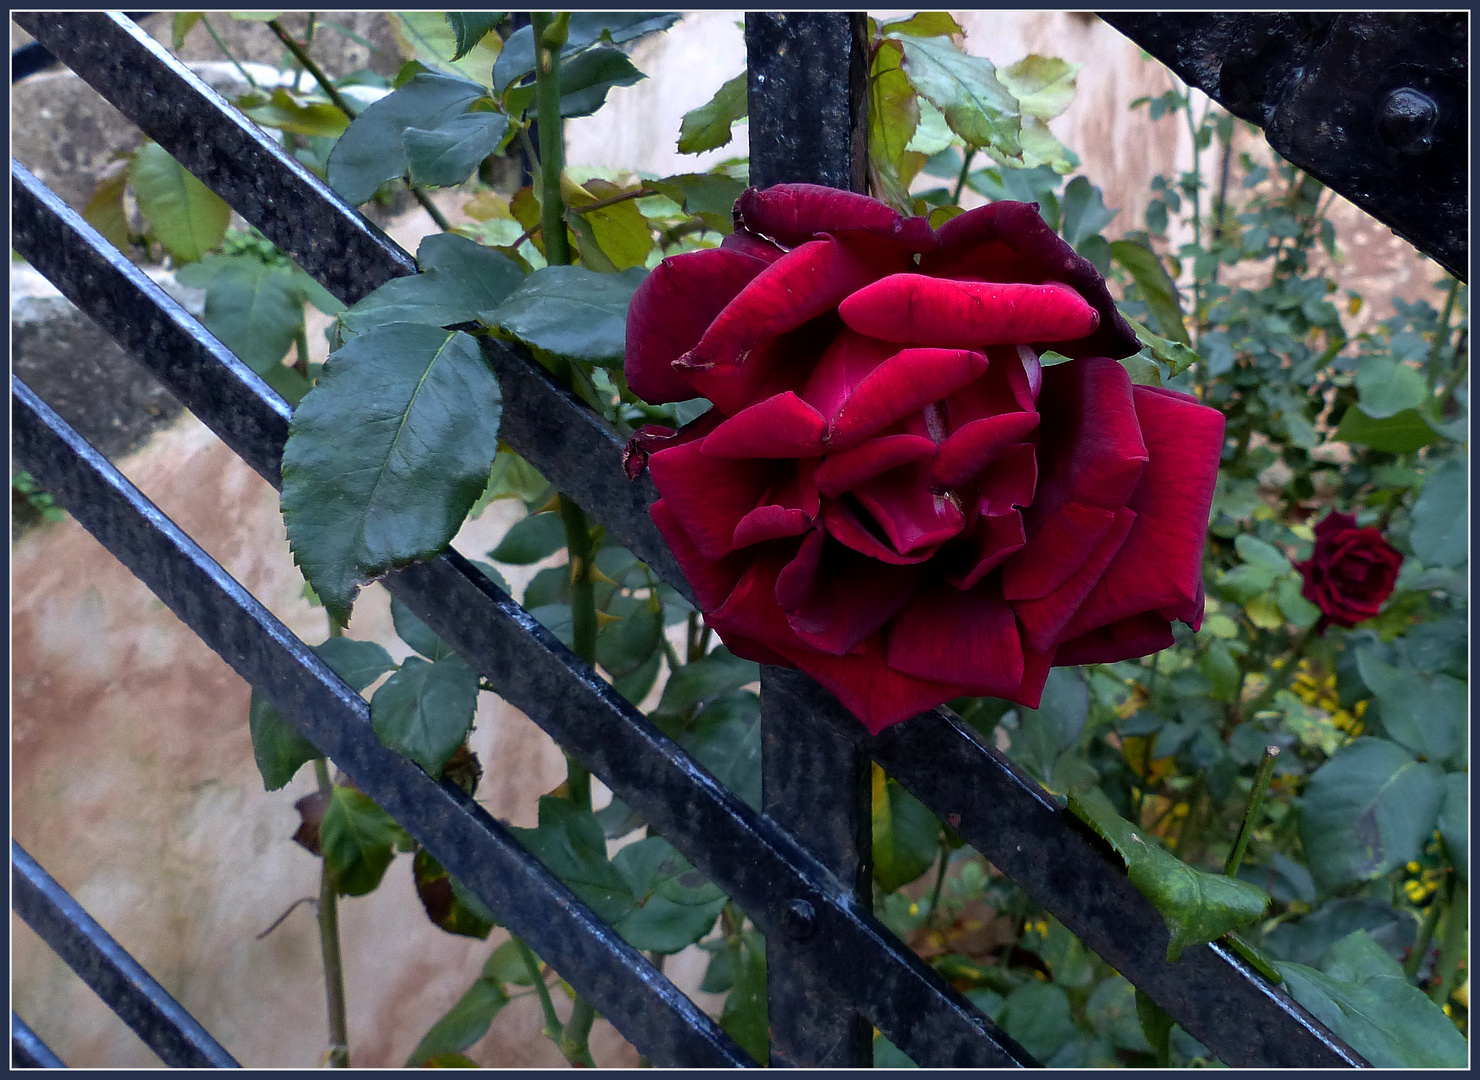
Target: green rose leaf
{"points": [[1401, 433], [893, 117], [1440, 516], [447, 155], [386, 455], [570, 311], [1156, 285], [358, 840], [709, 126], [288, 111], [358, 663], [716, 673], [1043, 85], [425, 710], [1368, 809], [187, 217], [530, 540], [676, 905], [906, 835], [628, 643], [1428, 714], [1045, 733], [255, 310], [465, 1023], [1386, 387], [1038, 1016], [417, 634], [373, 148], [744, 1016], [507, 965], [1363, 997], [967, 91], [1085, 213], [458, 278], [469, 28], [586, 28], [586, 78], [924, 24], [1198, 906], [279, 748], [569, 841], [726, 739]]}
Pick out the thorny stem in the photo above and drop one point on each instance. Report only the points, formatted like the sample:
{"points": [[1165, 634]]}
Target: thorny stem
{"points": [[300, 340], [294, 906], [1441, 338], [573, 1044], [549, 35], [1251, 815], [338, 1055], [940, 879], [602, 204], [245, 74]]}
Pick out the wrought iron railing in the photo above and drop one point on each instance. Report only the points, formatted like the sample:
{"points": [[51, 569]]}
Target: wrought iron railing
{"points": [[799, 867]]}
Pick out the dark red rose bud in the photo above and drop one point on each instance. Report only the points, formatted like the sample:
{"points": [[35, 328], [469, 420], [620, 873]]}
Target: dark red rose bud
{"points": [[1350, 572], [891, 492]]}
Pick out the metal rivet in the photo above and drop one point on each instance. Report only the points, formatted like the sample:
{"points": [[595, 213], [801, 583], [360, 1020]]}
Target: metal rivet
{"points": [[798, 920], [1407, 119]]}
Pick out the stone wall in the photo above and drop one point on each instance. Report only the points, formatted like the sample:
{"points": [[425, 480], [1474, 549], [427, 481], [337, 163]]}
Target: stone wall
{"points": [[132, 772]]}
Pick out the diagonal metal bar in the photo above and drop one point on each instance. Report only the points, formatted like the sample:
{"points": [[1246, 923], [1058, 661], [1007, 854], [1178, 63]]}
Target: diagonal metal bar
{"points": [[27, 1051], [295, 209], [745, 854], [115, 976], [653, 1014]]}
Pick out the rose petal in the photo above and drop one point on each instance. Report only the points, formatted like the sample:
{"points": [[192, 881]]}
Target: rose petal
{"points": [[902, 384], [924, 310], [770, 523], [1045, 618], [844, 469], [851, 597], [670, 312], [797, 577], [1160, 564], [709, 495], [1035, 675], [773, 367], [849, 359], [792, 214], [783, 426], [712, 581], [868, 687], [750, 649], [845, 525], [967, 452], [1091, 435], [1010, 482], [805, 283], [1010, 241], [993, 538], [911, 515], [1058, 546], [751, 609], [757, 247], [1139, 635], [966, 638]]}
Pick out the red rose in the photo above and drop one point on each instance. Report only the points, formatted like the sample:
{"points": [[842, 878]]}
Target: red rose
{"points": [[891, 493], [1350, 571]]}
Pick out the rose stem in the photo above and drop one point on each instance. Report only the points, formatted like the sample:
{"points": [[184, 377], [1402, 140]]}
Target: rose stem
{"points": [[554, 1030], [1425, 938], [329, 938], [1286, 674], [1251, 815], [549, 31], [967, 155], [1451, 944]]}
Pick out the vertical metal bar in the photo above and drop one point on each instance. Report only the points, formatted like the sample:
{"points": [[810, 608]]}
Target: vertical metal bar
{"points": [[27, 1051], [115, 976], [807, 96]]}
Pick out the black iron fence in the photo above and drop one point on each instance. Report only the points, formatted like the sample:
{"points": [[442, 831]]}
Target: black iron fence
{"points": [[799, 868]]}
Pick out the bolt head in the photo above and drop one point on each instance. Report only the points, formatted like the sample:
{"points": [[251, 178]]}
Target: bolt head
{"points": [[798, 919], [1406, 120]]}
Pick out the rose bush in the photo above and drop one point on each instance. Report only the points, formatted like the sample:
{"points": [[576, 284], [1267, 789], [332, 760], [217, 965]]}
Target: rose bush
{"points": [[891, 492], [1350, 571]]}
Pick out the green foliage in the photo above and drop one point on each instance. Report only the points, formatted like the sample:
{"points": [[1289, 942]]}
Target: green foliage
{"points": [[465, 1023], [360, 499], [425, 710], [1361, 994], [570, 311], [358, 840], [708, 126]]}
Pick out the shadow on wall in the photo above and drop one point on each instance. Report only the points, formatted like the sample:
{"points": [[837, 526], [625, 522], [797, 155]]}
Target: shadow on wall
{"points": [[133, 777]]}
